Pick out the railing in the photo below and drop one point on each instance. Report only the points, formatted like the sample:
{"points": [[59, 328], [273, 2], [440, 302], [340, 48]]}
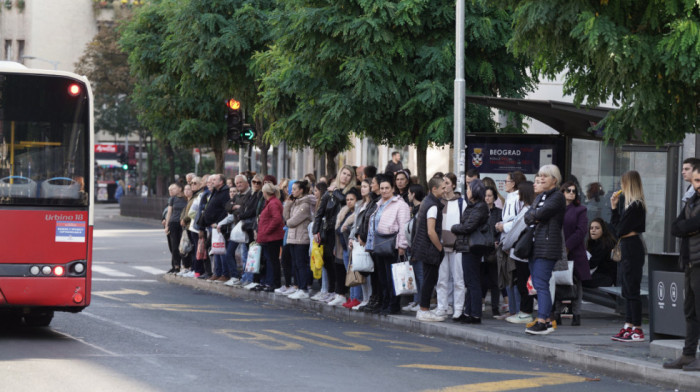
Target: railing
{"points": [[143, 207]]}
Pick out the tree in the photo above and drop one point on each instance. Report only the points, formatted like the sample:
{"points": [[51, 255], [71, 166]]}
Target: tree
{"points": [[380, 68], [643, 55]]}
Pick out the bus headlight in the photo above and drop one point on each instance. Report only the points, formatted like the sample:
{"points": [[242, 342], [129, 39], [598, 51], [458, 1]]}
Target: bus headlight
{"points": [[79, 268]]}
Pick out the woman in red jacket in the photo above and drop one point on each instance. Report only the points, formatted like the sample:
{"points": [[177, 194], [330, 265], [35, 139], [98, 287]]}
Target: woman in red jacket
{"points": [[270, 235]]}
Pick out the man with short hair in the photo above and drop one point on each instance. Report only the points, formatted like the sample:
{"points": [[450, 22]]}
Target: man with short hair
{"points": [[686, 172], [239, 201], [472, 174], [687, 226], [215, 212], [370, 171], [394, 164], [427, 247]]}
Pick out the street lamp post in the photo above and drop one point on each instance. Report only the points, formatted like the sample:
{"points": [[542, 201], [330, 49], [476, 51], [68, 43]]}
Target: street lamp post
{"points": [[54, 63], [459, 99]]}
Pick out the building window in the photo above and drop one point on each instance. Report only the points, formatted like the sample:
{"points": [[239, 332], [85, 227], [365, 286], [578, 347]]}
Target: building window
{"points": [[8, 49], [20, 50]]}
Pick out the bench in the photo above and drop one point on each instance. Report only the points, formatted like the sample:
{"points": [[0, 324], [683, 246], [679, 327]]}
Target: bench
{"points": [[611, 297]]}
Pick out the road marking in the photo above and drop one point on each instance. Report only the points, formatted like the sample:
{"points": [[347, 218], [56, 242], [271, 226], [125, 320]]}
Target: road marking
{"points": [[344, 345], [87, 344], [139, 330], [109, 271], [150, 270], [123, 280], [541, 379], [260, 340], [254, 320], [190, 308], [396, 344], [111, 294]]}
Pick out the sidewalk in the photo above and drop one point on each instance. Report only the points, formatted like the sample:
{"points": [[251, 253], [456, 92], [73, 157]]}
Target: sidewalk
{"points": [[587, 347]]}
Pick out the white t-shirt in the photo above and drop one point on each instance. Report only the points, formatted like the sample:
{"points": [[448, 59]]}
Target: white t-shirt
{"points": [[432, 212]]}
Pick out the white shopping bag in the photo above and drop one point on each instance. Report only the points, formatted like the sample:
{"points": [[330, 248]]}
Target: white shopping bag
{"points": [[218, 244], [361, 259], [404, 278]]}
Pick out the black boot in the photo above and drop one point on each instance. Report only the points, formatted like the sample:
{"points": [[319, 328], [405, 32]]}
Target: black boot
{"points": [[576, 321], [680, 362], [371, 305]]}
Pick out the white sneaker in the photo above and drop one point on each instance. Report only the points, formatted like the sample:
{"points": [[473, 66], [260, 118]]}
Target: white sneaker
{"points": [[426, 315], [415, 307], [183, 272], [338, 300], [442, 312], [189, 274], [409, 307], [281, 290], [450, 310], [520, 318], [361, 304], [319, 296], [232, 282], [329, 297], [291, 291], [251, 286], [299, 294]]}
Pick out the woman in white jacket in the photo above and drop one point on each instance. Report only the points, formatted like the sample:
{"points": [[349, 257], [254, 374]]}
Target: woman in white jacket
{"points": [[512, 207]]}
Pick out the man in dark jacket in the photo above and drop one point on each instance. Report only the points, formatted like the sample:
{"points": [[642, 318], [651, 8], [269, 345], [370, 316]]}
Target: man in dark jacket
{"points": [[427, 247], [394, 164], [687, 226], [214, 212]]}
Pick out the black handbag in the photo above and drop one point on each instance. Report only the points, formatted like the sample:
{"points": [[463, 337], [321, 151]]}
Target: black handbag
{"points": [[482, 238], [384, 245], [523, 246]]}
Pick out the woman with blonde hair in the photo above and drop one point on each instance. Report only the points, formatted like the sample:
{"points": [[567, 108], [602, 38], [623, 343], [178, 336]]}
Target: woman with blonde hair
{"points": [[629, 223], [324, 223], [270, 235]]}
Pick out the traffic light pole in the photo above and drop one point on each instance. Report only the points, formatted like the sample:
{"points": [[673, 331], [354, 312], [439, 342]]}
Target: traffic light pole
{"points": [[459, 100]]}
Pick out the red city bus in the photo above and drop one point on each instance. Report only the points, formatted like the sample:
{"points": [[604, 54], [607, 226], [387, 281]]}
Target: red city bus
{"points": [[46, 193]]}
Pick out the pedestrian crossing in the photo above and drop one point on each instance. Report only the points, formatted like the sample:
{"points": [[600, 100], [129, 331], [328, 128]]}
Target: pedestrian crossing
{"points": [[106, 271]]}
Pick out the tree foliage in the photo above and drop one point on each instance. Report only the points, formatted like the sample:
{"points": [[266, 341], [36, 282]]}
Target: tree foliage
{"points": [[380, 68], [644, 55], [105, 65]]}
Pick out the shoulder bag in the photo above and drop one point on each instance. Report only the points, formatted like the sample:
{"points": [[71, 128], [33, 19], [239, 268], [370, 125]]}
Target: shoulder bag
{"points": [[384, 244], [523, 246], [482, 238], [616, 252], [353, 278]]}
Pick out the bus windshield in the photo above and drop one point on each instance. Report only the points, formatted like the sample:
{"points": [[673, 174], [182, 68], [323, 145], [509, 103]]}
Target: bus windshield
{"points": [[44, 137]]}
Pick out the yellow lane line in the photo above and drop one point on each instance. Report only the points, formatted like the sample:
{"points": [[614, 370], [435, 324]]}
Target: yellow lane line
{"points": [[344, 345]]}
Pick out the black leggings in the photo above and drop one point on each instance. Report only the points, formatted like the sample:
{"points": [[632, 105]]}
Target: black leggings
{"points": [[340, 273], [522, 273], [174, 241], [287, 265], [631, 267]]}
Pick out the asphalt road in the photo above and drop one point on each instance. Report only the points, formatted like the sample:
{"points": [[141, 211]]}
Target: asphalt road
{"points": [[142, 334]]}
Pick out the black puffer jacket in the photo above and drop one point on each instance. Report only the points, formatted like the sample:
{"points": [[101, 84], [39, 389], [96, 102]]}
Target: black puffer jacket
{"points": [[547, 213], [331, 203], [423, 248], [474, 216]]}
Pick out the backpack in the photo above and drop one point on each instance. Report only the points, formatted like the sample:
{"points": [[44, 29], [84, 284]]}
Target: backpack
{"points": [[409, 230]]}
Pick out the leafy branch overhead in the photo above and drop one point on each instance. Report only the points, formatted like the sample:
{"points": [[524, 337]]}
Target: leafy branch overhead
{"points": [[642, 55]]}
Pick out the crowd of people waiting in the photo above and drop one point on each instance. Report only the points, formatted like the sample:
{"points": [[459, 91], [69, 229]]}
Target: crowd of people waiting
{"points": [[461, 247]]}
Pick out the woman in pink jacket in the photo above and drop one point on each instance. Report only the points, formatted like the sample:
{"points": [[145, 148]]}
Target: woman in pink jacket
{"points": [[391, 215], [270, 235]]}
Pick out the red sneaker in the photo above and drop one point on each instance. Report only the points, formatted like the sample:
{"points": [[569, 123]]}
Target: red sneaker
{"points": [[354, 303], [633, 335], [620, 337], [347, 304]]}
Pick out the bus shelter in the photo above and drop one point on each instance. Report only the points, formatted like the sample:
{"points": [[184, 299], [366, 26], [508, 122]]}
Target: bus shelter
{"points": [[581, 154]]}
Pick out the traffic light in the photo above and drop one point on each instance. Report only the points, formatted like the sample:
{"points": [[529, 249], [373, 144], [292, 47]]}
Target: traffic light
{"points": [[248, 133], [123, 160], [234, 121]]}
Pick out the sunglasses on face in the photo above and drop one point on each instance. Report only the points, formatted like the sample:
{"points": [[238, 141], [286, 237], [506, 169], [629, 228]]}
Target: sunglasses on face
{"points": [[570, 190], [256, 182]]}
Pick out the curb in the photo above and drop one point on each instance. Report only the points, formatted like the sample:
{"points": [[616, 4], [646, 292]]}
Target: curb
{"points": [[610, 365]]}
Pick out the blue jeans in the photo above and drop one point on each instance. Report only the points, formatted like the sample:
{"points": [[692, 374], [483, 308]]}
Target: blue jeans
{"points": [[541, 272], [513, 299], [355, 292], [230, 259], [220, 268], [418, 270], [247, 276]]}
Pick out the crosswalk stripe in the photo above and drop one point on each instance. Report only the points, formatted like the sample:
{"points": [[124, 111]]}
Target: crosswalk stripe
{"points": [[151, 270], [109, 271]]}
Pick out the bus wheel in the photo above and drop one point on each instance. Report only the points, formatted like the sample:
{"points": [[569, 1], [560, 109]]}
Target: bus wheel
{"points": [[39, 319]]}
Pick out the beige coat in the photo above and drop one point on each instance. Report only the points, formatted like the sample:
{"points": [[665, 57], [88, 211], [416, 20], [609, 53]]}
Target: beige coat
{"points": [[298, 214]]}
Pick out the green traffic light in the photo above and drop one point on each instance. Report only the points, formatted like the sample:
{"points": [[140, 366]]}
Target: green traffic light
{"points": [[125, 166], [248, 134]]}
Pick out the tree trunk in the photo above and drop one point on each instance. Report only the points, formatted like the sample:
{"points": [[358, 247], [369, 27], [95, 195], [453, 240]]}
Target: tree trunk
{"points": [[263, 146], [218, 147], [421, 164], [331, 167], [170, 157]]}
